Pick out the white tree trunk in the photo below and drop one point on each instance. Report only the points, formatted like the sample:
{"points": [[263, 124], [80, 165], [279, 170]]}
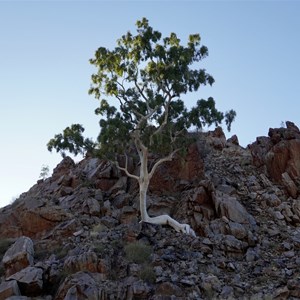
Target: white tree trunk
{"points": [[144, 180], [162, 219]]}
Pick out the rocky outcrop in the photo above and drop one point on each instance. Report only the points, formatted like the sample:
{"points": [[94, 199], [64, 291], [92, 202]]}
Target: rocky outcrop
{"points": [[77, 234], [279, 154]]}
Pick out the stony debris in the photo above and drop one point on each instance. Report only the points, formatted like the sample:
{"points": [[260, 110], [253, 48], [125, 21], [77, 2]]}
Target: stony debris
{"points": [[77, 234]]}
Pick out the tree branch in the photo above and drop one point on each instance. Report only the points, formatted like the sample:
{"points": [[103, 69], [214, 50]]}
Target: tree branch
{"points": [[165, 121], [140, 91], [151, 110], [160, 161], [126, 169]]}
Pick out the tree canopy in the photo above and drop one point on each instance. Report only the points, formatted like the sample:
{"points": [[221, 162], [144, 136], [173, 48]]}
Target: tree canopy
{"points": [[150, 77]]}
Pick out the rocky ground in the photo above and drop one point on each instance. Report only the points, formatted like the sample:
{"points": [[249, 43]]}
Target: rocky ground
{"points": [[76, 235]]}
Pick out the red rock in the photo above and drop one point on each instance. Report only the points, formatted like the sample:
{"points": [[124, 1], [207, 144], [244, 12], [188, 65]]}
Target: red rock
{"points": [[284, 157], [37, 222], [290, 185], [8, 289], [170, 175], [280, 152], [63, 168], [18, 256], [259, 150]]}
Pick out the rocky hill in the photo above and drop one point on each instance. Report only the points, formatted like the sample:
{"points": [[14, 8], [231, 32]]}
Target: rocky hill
{"points": [[76, 235]]}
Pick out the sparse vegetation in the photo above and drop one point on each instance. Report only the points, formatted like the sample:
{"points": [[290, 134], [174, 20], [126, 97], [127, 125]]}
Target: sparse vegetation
{"points": [[97, 229], [60, 252], [147, 273], [99, 248], [44, 172], [138, 252]]}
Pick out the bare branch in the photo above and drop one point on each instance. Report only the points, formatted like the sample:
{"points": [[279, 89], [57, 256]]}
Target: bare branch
{"points": [[162, 160], [126, 169], [144, 117], [151, 110], [140, 91]]}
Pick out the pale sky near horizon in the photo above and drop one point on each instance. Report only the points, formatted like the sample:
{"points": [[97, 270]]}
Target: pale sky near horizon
{"points": [[45, 48]]}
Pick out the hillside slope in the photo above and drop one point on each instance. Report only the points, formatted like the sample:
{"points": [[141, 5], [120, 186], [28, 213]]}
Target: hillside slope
{"points": [[76, 235]]}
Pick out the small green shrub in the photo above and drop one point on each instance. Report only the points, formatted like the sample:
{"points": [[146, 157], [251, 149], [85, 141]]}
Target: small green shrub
{"points": [[99, 248], [60, 252], [116, 244], [147, 273], [138, 252], [97, 229]]}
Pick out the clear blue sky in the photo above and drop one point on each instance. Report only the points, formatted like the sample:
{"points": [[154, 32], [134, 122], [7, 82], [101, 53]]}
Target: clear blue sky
{"points": [[45, 46]]}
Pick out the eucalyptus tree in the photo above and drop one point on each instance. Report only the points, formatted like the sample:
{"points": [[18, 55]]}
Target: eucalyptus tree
{"points": [[141, 85]]}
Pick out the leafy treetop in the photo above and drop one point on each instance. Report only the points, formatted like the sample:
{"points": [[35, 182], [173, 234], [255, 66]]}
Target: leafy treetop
{"points": [[148, 76]]}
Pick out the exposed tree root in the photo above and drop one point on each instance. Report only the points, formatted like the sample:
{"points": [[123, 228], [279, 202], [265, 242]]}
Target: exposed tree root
{"points": [[167, 220]]}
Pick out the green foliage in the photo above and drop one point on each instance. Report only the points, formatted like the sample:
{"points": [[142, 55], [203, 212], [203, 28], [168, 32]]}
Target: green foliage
{"points": [[97, 229], [138, 252], [147, 273], [44, 172], [60, 252], [148, 76], [99, 248], [71, 140]]}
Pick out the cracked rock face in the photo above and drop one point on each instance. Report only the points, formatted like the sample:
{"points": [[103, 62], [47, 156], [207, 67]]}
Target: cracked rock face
{"points": [[18, 256], [77, 234]]}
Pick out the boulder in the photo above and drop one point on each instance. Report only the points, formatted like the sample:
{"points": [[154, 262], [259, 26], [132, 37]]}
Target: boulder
{"points": [[217, 137], [86, 261], [30, 281], [290, 185], [233, 140], [102, 173], [231, 244], [18, 256], [81, 285], [63, 168], [91, 207], [37, 222], [232, 209], [8, 289], [33, 222], [259, 150], [168, 289], [284, 157]]}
